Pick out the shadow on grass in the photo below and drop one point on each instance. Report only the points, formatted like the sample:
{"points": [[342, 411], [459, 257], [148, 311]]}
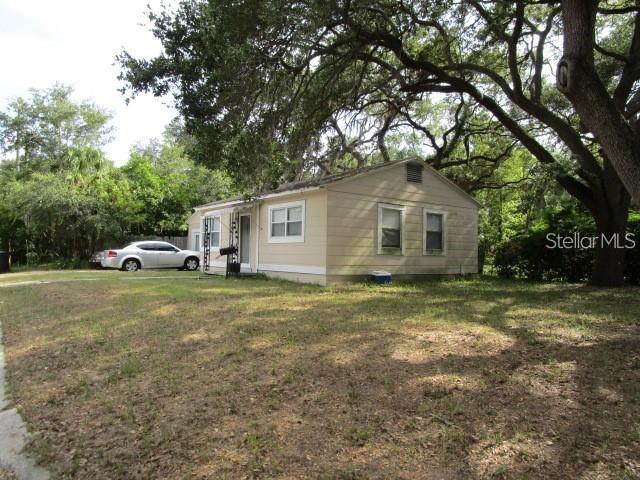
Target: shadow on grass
{"points": [[476, 379]]}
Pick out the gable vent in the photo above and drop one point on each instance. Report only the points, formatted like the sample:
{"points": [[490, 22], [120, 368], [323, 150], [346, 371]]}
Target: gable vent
{"points": [[414, 173]]}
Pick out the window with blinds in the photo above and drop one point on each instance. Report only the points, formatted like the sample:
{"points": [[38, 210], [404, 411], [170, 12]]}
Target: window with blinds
{"points": [[215, 232], [286, 222], [434, 232], [390, 228]]}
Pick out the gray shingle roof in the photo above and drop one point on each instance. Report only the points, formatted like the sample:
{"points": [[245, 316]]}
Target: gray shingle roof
{"points": [[323, 180], [301, 184]]}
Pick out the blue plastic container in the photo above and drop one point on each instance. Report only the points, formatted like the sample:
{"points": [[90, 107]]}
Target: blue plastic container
{"points": [[381, 277]]}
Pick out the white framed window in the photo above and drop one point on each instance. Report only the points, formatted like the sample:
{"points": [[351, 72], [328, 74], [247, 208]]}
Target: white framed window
{"points": [[214, 236], [390, 228], [196, 243], [435, 232], [286, 222]]}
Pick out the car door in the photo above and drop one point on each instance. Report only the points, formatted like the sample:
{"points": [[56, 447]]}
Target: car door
{"points": [[169, 256], [150, 253]]}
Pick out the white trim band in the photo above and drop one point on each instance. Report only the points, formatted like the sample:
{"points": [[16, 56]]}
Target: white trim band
{"points": [[232, 203], [310, 269]]}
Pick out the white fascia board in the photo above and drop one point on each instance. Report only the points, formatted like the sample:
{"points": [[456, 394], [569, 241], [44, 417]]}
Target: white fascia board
{"points": [[234, 203], [288, 192], [222, 207], [309, 269]]}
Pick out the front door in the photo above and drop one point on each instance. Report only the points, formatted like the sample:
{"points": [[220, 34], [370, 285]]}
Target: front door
{"points": [[245, 238]]}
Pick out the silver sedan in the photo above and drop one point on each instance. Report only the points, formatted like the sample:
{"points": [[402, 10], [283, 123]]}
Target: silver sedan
{"points": [[149, 254]]}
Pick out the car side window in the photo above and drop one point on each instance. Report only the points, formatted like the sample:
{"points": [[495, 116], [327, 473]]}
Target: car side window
{"points": [[167, 248], [149, 247]]}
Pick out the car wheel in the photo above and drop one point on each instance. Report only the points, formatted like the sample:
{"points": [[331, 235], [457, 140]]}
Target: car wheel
{"points": [[131, 265], [191, 264]]}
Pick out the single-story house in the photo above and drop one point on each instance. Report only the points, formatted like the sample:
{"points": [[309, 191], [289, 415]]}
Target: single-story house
{"points": [[402, 217]]}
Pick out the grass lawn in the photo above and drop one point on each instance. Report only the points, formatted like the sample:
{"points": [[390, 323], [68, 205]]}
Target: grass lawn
{"points": [[73, 275], [185, 378]]}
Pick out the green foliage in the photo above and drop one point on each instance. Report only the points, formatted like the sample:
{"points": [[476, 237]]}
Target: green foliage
{"points": [[632, 258], [50, 132], [169, 184], [247, 113], [58, 218], [526, 255], [266, 85], [63, 200]]}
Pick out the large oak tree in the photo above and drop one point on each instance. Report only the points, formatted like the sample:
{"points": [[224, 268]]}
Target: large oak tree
{"points": [[267, 82]]}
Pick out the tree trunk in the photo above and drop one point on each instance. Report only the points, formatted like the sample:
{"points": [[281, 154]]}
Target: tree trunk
{"points": [[579, 81], [608, 267], [611, 212], [608, 201]]}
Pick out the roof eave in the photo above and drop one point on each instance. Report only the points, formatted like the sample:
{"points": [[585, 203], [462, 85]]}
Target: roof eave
{"points": [[232, 203]]}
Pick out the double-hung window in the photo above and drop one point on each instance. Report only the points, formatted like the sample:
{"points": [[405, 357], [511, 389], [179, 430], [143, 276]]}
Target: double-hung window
{"points": [[215, 232], [435, 233], [286, 222], [390, 228]]}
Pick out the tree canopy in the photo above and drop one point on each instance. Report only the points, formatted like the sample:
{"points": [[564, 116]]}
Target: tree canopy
{"points": [[61, 199], [49, 131]]}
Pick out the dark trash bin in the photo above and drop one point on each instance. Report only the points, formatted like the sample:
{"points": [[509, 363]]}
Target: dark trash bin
{"points": [[4, 261]]}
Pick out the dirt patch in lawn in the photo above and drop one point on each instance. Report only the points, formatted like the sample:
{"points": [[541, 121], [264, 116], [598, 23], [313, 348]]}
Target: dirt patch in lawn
{"points": [[7, 474], [265, 379]]}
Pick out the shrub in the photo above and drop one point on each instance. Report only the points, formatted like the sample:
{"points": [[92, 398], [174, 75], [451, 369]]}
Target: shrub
{"points": [[32, 258], [526, 255]]}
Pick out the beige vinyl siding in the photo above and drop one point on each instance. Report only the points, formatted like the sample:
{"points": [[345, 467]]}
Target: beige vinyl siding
{"points": [[312, 251], [193, 225], [341, 229], [309, 255], [352, 225], [391, 184]]}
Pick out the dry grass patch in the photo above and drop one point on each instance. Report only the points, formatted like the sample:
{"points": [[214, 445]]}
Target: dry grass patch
{"points": [[6, 474], [264, 379]]}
